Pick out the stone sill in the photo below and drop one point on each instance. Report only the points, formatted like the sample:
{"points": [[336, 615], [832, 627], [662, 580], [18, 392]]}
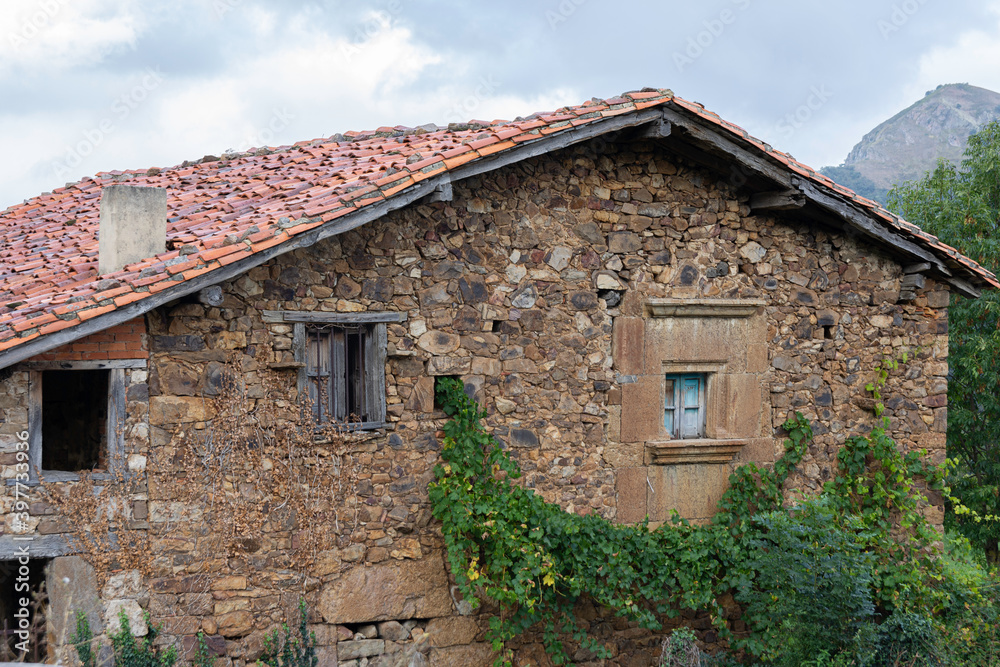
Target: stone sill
{"points": [[702, 450], [703, 307]]}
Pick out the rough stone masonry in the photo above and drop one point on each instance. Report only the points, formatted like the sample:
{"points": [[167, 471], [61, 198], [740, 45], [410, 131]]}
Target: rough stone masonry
{"points": [[534, 286]]}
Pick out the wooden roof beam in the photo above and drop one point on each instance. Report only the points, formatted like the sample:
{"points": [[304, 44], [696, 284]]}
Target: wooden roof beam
{"points": [[785, 200]]}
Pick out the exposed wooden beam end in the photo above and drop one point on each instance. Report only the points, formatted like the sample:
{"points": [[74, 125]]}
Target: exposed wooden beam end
{"points": [[785, 200], [917, 268], [211, 296], [442, 192], [658, 129]]}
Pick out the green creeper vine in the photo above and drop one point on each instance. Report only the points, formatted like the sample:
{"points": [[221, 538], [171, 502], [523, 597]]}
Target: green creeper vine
{"points": [[534, 560]]}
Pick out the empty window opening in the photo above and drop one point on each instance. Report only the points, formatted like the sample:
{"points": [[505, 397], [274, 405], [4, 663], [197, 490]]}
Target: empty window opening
{"points": [[828, 332], [74, 419], [684, 406], [341, 378], [23, 583], [437, 385]]}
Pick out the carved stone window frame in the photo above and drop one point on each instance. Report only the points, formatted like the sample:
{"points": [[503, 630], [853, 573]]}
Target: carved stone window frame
{"points": [[715, 446]]}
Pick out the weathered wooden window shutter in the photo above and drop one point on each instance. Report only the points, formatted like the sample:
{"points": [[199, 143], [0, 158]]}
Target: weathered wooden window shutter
{"points": [[375, 386], [684, 404], [344, 371]]}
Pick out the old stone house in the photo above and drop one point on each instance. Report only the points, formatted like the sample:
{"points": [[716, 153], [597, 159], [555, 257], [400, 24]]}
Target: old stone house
{"points": [[637, 291]]}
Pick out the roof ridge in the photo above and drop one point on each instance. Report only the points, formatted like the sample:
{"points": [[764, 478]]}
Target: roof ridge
{"points": [[223, 209]]}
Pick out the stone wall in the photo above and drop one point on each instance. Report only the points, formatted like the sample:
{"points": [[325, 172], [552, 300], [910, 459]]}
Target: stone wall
{"points": [[516, 286]]}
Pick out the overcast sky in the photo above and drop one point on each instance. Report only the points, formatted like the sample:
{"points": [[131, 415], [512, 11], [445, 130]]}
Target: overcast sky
{"points": [[96, 85]]}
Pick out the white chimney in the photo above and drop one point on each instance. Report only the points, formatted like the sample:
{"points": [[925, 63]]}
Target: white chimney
{"points": [[133, 225]]}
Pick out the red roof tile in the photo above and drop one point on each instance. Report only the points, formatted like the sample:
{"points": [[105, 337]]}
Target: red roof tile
{"points": [[48, 245]]}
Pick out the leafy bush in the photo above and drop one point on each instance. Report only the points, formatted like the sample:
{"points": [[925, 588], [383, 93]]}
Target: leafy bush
{"points": [[970, 622], [83, 639], [808, 581], [851, 577], [203, 656], [680, 650], [907, 638], [131, 651], [291, 648]]}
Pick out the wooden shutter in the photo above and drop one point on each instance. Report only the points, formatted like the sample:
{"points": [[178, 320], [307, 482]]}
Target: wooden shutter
{"points": [[691, 406], [376, 342]]}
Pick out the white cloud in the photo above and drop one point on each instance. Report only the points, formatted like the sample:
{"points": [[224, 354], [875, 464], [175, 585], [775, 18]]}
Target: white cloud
{"points": [[51, 35], [972, 59], [238, 73]]}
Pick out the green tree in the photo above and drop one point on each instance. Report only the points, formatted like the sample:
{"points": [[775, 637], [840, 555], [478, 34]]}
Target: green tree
{"points": [[962, 207]]}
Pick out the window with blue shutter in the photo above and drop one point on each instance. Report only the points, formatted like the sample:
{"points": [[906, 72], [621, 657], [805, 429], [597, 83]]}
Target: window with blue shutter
{"points": [[684, 406]]}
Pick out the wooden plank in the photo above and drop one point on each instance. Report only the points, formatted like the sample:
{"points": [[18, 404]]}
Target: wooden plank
{"points": [[299, 353], [338, 376], [784, 200], [117, 463], [917, 268], [863, 223], [376, 371], [709, 137], [34, 424], [60, 476], [84, 365], [211, 296], [370, 317], [659, 129], [38, 546]]}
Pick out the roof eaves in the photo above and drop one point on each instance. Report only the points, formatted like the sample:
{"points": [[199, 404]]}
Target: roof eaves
{"points": [[98, 318], [367, 203]]}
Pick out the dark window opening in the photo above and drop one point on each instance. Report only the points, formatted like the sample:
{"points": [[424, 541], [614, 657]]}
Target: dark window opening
{"points": [[74, 419], [28, 582], [340, 375], [437, 384], [495, 328], [828, 332]]}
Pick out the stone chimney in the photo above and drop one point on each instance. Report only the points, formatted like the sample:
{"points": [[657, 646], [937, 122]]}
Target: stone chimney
{"points": [[133, 225]]}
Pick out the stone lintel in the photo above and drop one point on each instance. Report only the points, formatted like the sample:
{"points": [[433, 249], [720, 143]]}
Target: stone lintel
{"points": [[674, 452], [703, 307]]}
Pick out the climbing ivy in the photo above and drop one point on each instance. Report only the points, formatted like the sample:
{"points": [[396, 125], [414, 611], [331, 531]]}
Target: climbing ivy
{"points": [[535, 561]]}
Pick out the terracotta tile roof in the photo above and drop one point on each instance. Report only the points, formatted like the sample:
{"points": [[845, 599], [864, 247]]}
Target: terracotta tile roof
{"points": [[225, 210]]}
